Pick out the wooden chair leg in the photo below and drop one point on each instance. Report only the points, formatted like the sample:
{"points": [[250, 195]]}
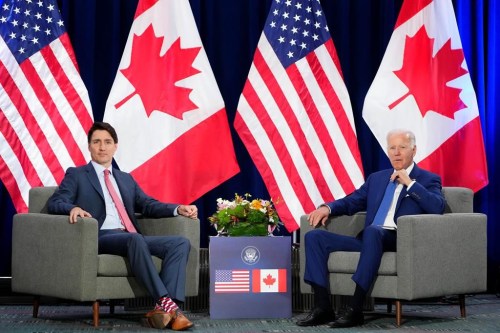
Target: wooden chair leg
{"points": [[95, 313], [461, 302], [36, 305], [398, 312]]}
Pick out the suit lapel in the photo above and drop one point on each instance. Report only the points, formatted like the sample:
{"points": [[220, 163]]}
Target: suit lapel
{"points": [[413, 175], [124, 190], [93, 180]]}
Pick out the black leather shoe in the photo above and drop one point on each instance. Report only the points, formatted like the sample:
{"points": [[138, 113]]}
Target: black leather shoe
{"points": [[317, 316], [349, 318]]}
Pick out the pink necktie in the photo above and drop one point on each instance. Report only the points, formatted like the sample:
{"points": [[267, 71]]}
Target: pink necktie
{"points": [[118, 203]]}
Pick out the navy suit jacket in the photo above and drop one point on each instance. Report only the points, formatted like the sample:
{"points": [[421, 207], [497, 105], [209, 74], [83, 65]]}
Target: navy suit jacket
{"points": [[424, 197], [81, 188]]}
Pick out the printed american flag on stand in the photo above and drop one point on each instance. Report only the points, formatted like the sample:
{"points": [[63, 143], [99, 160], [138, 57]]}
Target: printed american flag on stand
{"points": [[232, 281], [45, 111], [294, 115]]}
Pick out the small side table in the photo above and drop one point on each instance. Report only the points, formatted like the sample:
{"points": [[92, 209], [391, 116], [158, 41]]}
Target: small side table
{"points": [[250, 277]]}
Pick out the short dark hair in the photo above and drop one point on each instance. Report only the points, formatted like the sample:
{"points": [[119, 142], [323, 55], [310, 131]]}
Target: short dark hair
{"points": [[102, 126]]}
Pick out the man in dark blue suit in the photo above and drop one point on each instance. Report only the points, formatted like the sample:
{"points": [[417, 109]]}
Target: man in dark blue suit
{"points": [[84, 193], [413, 191]]}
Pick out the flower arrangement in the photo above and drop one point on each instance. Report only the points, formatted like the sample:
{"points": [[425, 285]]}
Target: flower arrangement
{"points": [[245, 217]]}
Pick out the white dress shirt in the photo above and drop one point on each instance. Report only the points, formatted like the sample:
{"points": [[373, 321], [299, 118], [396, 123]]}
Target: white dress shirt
{"points": [[389, 219]]}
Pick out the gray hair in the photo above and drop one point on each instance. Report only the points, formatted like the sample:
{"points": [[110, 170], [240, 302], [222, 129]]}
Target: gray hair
{"points": [[409, 135]]}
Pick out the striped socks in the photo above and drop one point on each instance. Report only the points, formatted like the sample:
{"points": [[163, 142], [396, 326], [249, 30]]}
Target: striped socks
{"points": [[166, 304]]}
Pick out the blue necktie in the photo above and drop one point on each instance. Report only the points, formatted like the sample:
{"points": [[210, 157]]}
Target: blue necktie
{"points": [[383, 209]]}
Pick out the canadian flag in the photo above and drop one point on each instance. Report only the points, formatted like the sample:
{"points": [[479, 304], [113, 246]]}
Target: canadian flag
{"points": [[269, 280], [423, 84], [167, 109]]}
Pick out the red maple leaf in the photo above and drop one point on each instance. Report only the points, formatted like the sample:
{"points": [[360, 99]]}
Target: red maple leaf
{"points": [[269, 280], [154, 76], [426, 76]]}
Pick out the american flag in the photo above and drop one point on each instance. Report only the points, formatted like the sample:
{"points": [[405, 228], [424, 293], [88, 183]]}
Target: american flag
{"points": [[232, 281], [45, 111], [294, 115]]}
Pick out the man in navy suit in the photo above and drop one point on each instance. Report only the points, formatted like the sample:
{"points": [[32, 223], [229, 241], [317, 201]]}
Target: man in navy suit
{"points": [[83, 193], [417, 191]]}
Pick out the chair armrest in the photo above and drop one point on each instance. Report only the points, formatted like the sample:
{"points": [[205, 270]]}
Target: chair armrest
{"points": [[347, 225], [344, 225], [51, 257], [441, 255], [178, 226]]}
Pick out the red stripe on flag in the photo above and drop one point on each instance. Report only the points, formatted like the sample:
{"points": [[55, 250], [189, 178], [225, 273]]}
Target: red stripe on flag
{"points": [[469, 159], [29, 120], [66, 43], [256, 280], [282, 280], [53, 113], [318, 123], [21, 155], [67, 88], [332, 51], [294, 125], [10, 184], [261, 164], [203, 168], [338, 110], [278, 143], [83, 114], [315, 119]]}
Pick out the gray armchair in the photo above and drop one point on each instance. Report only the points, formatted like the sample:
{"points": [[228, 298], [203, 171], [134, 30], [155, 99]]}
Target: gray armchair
{"points": [[51, 257], [437, 255]]}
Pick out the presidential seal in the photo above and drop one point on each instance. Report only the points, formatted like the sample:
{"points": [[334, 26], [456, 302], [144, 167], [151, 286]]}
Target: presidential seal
{"points": [[250, 255]]}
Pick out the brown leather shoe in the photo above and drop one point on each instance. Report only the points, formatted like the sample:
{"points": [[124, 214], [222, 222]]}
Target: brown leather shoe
{"points": [[179, 321], [157, 319]]}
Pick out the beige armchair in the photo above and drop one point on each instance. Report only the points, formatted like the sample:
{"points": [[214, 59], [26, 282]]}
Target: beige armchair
{"points": [[51, 257], [437, 255]]}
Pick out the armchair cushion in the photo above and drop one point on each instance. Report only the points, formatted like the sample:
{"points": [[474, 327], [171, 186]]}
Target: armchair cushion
{"points": [[112, 265]]}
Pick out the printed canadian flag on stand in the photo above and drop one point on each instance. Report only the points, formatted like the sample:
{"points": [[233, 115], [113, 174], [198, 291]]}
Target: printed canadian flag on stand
{"points": [[166, 107], [269, 280], [423, 84]]}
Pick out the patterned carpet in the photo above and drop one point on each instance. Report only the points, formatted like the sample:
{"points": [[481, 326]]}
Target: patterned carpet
{"points": [[483, 315]]}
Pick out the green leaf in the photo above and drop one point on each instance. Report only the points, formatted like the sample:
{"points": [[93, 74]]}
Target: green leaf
{"points": [[247, 229]]}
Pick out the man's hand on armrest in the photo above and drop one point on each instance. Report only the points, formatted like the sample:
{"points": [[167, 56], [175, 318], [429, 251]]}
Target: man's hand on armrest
{"points": [[188, 210], [319, 216], [77, 212]]}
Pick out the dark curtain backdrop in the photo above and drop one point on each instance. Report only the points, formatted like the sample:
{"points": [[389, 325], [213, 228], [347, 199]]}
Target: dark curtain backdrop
{"points": [[230, 30]]}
